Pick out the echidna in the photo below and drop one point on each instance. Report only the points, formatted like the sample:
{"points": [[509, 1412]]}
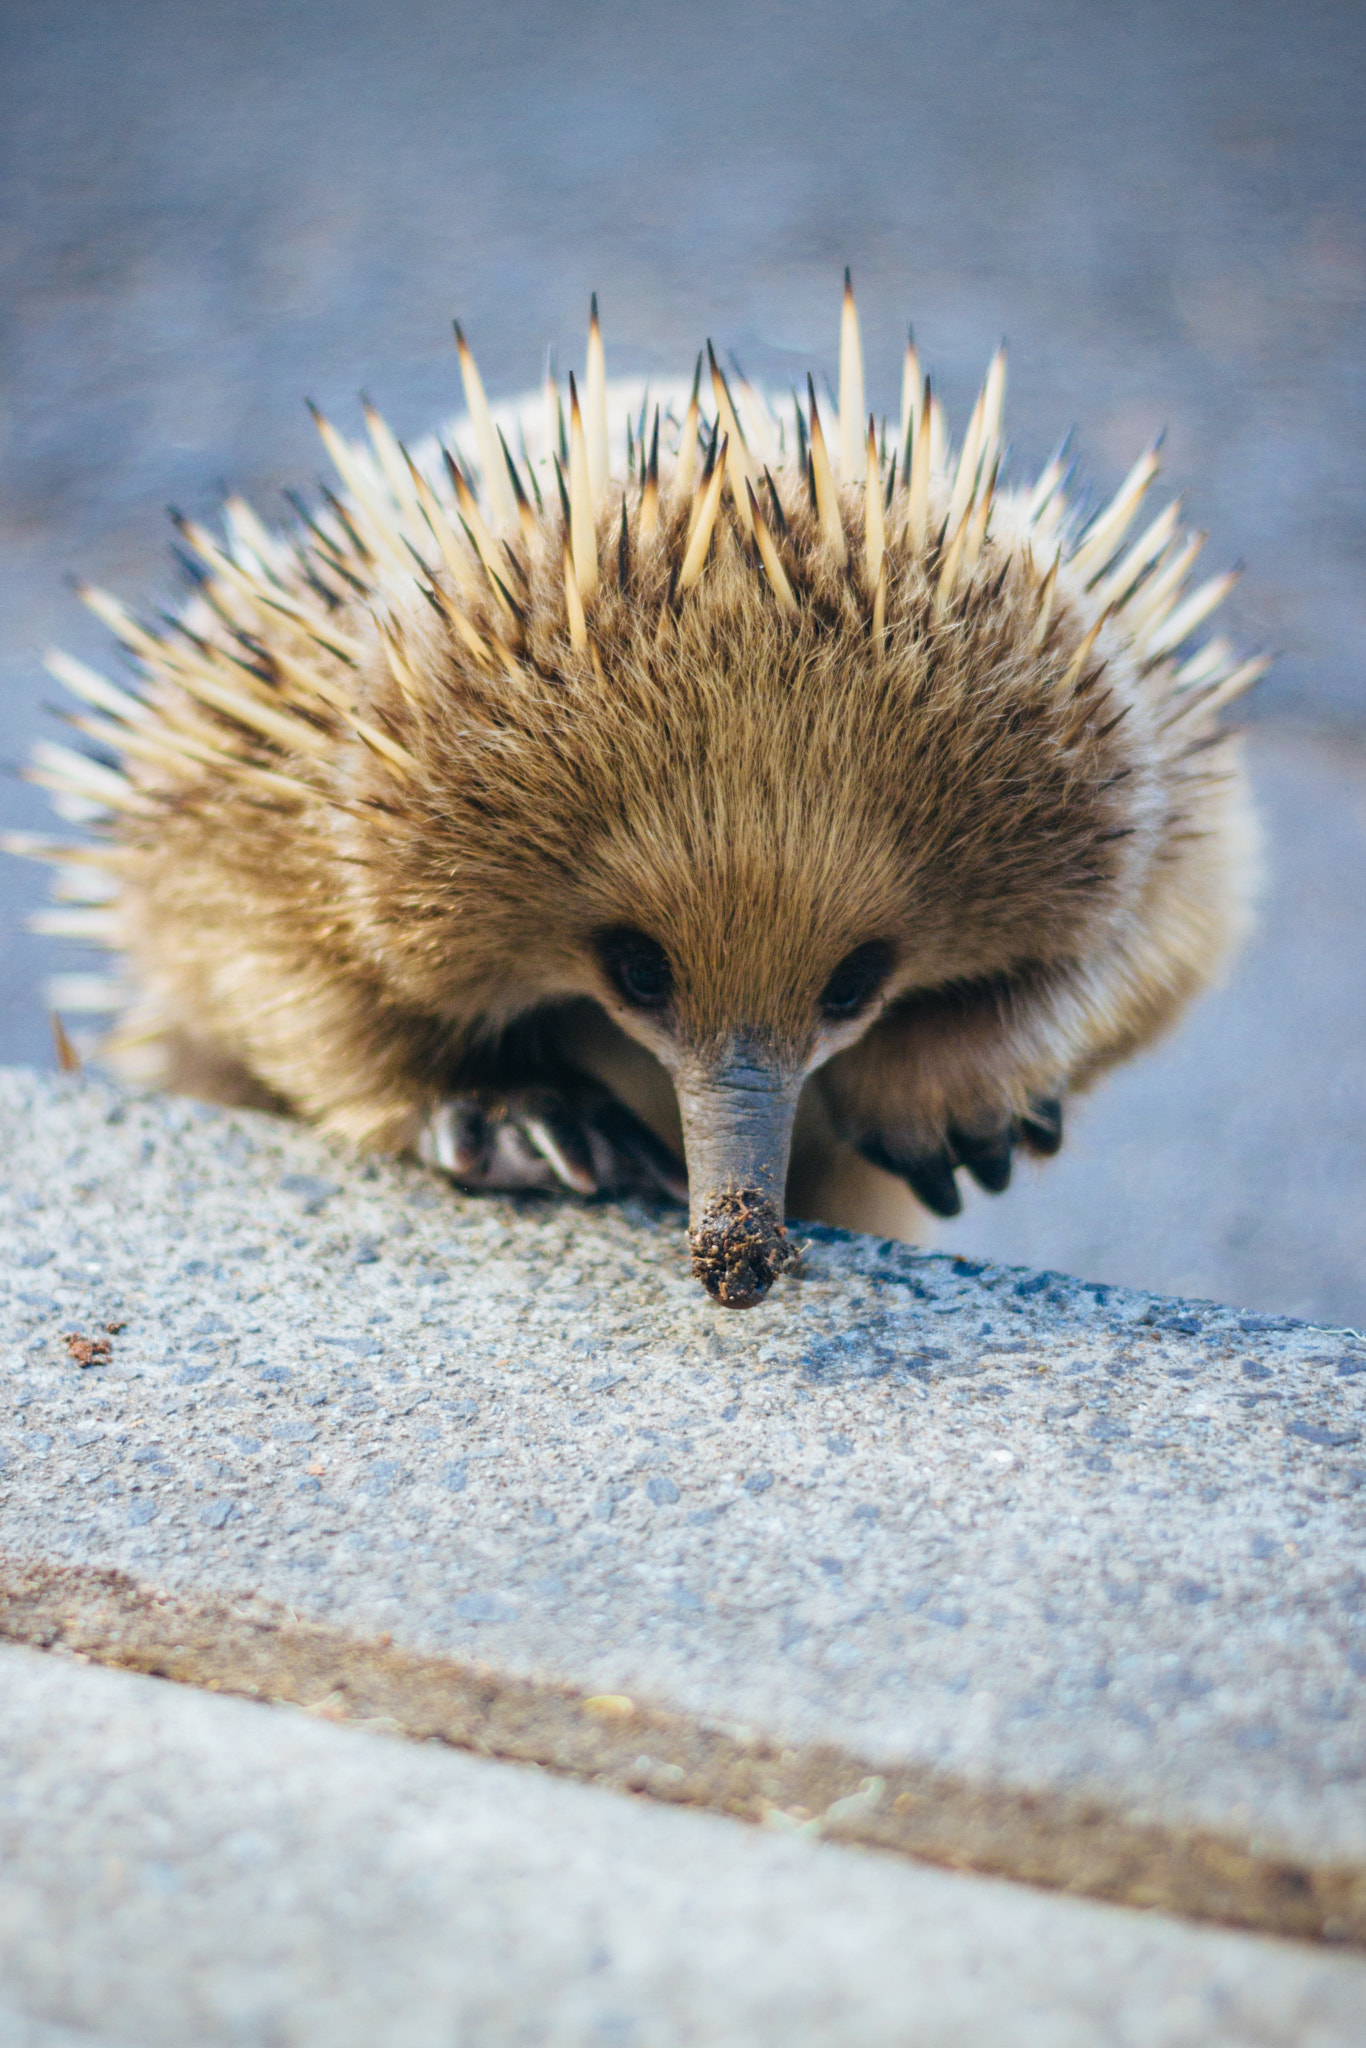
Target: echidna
{"points": [[764, 788]]}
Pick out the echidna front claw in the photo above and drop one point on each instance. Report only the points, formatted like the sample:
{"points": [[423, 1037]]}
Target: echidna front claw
{"points": [[516, 1139], [1041, 1129], [987, 1151], [928, 1175], [987, 1155]]}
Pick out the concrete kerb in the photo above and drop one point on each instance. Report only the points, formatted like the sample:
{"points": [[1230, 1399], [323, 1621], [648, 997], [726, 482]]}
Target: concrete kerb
{"points": [[1075, 1844], [176, 1867], [897, 1405]]}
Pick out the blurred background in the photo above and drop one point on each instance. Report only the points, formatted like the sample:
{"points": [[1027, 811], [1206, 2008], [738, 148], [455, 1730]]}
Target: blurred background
{"points": [[209, 210]]}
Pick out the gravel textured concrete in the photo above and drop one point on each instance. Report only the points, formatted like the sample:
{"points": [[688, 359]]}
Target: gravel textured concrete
{"points": [[175, 1868], [1048, 1536], [25, 2030], [209, 212]]}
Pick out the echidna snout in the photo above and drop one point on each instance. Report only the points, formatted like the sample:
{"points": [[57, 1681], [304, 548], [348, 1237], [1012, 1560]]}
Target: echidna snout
{"points": [[739, 1247], [737, 1130]]}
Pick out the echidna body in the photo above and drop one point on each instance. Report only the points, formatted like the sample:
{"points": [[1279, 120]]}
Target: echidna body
{"points": [[779, 784]]}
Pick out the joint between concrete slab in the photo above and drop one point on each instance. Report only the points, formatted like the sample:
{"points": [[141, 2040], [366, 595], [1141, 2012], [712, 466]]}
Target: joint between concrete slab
{"points": [[257, 1650]]}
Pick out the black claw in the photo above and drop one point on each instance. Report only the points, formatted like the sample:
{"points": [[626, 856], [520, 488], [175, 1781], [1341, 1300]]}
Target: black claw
{"points": [[1041, 1128], [929, 1175], [987, 1156], [931, 1181]]}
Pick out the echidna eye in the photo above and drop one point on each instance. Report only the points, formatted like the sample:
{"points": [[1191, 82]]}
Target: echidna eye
{"points": [[638, 968], [856, 980]]}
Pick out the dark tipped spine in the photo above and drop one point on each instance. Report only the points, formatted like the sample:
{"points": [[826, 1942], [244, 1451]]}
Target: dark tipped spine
{"points": [[779, 516], [565, 513]]}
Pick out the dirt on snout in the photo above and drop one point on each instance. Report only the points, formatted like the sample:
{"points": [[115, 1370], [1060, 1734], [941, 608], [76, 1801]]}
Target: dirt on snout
{"points": [[740, 1247]]}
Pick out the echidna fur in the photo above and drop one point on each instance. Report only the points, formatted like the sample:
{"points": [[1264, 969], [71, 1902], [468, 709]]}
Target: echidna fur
{"points": [[805, 800]]}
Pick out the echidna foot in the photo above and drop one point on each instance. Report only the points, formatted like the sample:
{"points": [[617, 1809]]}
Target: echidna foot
{"points": [[986, 1150], [516, 1139]]}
